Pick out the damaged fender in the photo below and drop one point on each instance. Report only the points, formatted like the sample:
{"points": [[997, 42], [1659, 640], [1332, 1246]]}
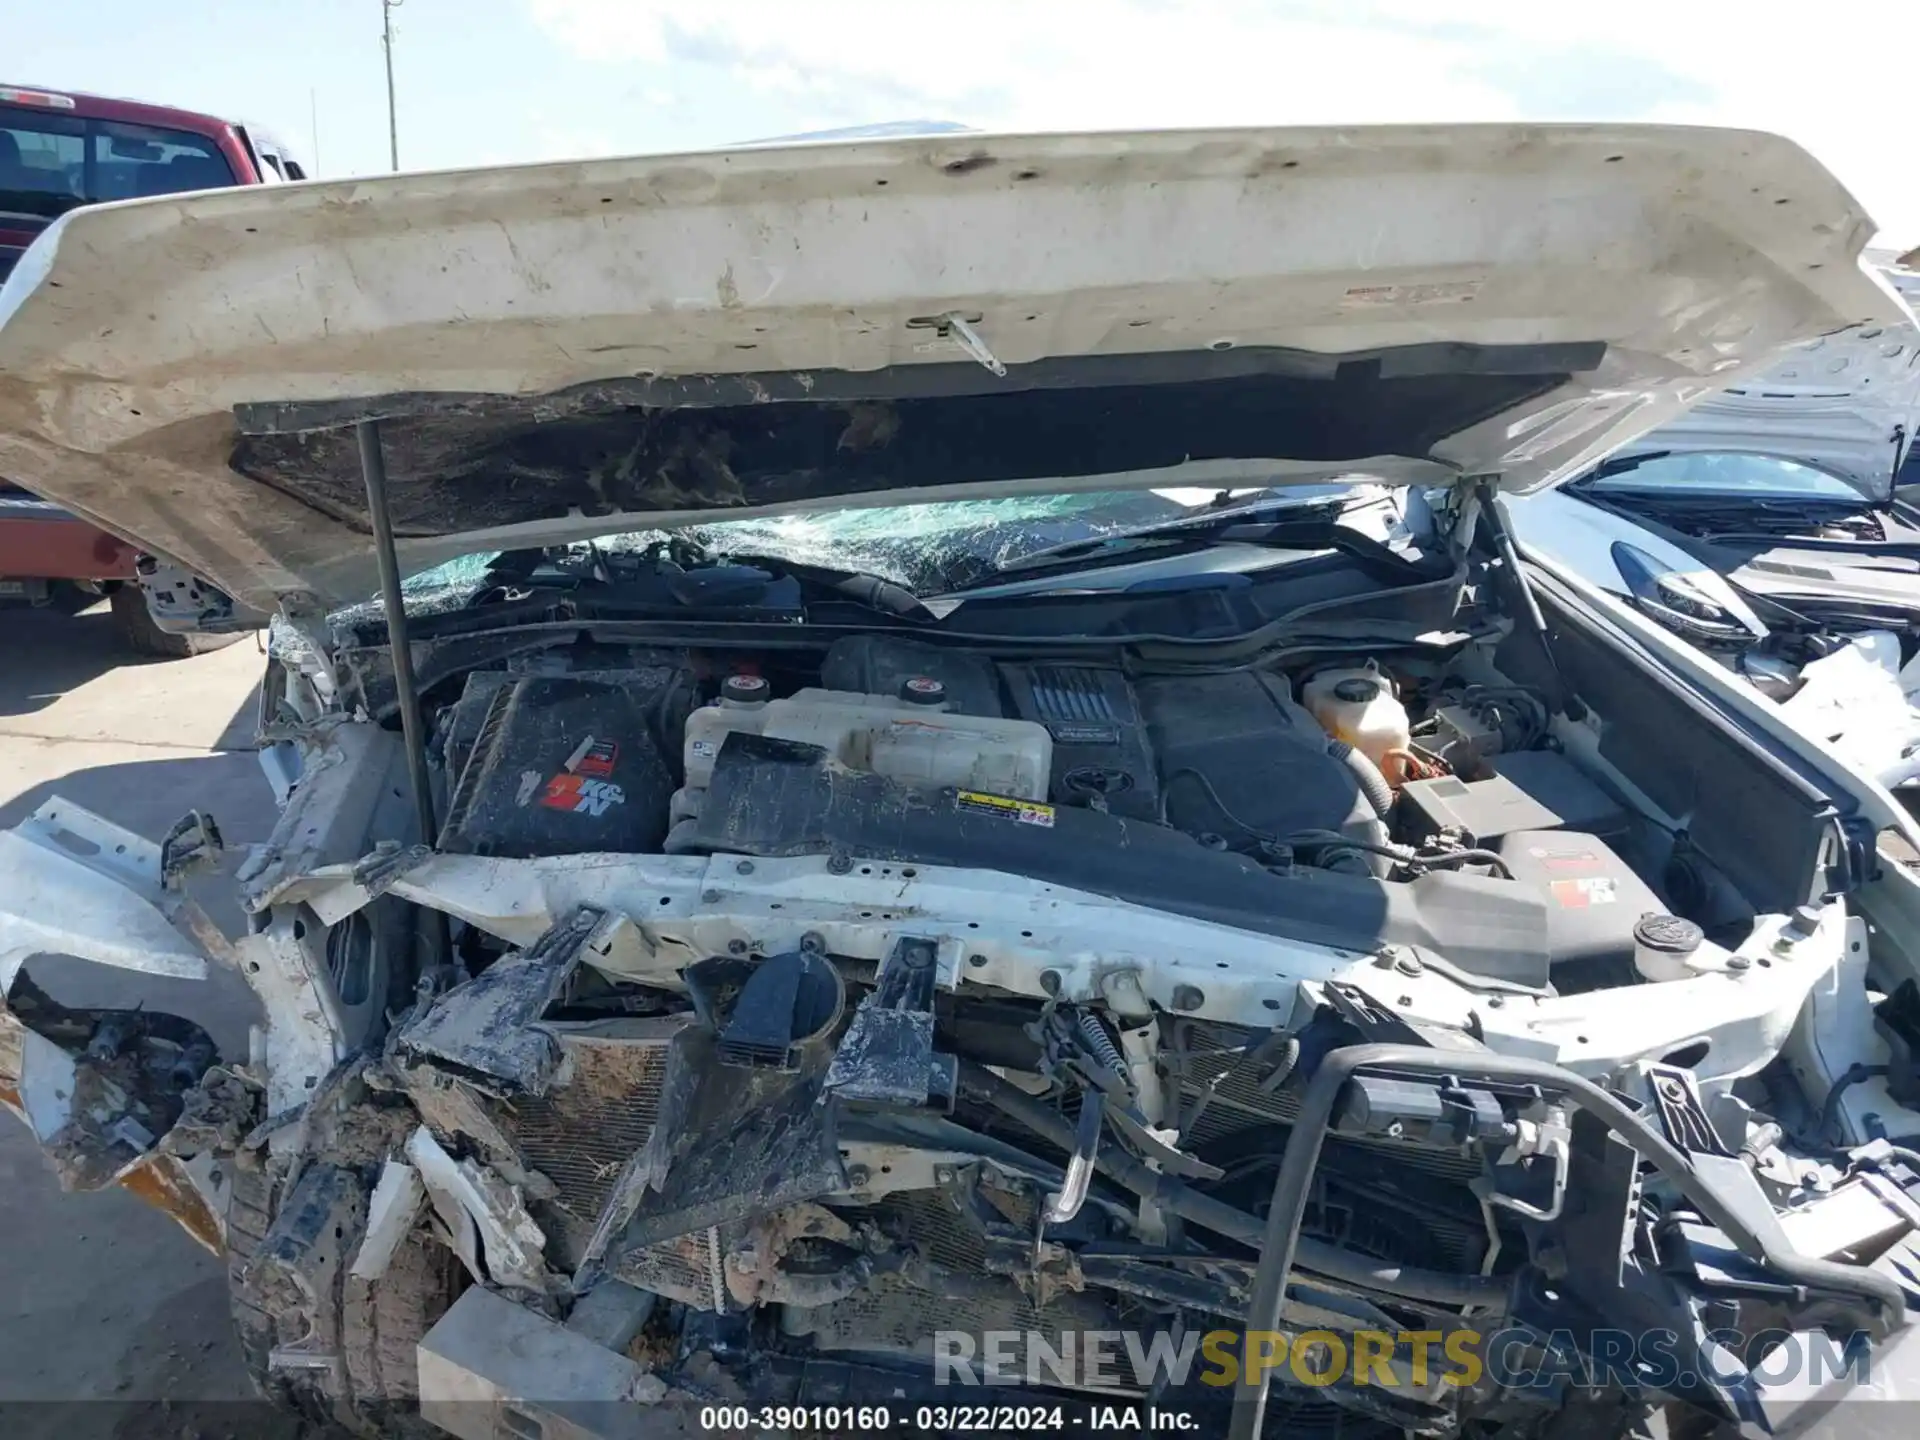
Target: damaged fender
{"points": [[101, 1089]]}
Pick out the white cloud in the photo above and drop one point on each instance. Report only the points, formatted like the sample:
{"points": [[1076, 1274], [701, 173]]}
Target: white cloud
{"points": [[1832, 78]]}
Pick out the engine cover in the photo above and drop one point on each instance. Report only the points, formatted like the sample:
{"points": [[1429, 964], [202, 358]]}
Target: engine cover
{"points": [[1145, 748]]}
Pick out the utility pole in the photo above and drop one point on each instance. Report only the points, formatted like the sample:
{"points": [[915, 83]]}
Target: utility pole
{"points": [[387, 7]]}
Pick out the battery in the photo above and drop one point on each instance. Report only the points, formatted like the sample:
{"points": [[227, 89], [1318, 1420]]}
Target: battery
{"points": [[1593, 898]]}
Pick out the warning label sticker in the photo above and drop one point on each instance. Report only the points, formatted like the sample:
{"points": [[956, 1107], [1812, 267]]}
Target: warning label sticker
{"points": [[1445, 292], [1026, 812], [1564, 859], [1081, 732], [596, 759], [1580, 894]]}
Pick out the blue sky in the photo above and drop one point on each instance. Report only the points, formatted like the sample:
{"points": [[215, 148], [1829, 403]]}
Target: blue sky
{"points": [[494, 81]]}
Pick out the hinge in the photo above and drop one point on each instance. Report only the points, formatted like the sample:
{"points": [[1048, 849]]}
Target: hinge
{"points": [[1856, 860]]}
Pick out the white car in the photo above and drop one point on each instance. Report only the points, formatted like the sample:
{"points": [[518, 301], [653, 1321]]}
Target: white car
{"points": [[1765, 526], [707, 960]]}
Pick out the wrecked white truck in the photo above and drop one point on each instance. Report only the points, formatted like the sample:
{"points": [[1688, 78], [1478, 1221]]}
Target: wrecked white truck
{"points": [[967, 750]]}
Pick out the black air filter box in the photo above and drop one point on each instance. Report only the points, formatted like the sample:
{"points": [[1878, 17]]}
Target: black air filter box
{"points": [[561, 766]]}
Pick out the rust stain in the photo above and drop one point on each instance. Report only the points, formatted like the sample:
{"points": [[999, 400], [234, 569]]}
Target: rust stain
{"points": [[162, 1184]]}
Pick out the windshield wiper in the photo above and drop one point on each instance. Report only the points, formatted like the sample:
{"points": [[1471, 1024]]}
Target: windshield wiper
{"points": [[687, 577], [1619, 465], [1203, 526]]}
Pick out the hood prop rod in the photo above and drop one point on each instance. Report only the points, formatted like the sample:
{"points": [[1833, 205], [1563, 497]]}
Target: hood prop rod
{"points": [[373, 470], [1565, 701]]}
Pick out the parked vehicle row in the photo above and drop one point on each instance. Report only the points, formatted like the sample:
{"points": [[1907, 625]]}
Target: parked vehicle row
{"points": [[59, 151], [1767, 527], [981, 736]]}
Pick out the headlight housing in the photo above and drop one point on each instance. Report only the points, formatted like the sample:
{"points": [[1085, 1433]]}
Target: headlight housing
{"points": [[1686, 604]]}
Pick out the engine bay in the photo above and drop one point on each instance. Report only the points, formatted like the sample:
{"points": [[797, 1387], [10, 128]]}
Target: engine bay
{"points": [[1456, 824], [829, 1008]]}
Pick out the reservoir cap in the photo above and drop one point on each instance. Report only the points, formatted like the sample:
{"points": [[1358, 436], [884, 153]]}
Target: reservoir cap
{"points": [[745, 690]]}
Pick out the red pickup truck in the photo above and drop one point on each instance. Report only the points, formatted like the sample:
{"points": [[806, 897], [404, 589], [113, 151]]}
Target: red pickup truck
{"points": [[59, 150]]}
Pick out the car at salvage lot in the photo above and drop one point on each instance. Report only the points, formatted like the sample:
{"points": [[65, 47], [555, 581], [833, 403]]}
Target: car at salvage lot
{"points": [[1767, 526], [967, 747], [59, 151]]}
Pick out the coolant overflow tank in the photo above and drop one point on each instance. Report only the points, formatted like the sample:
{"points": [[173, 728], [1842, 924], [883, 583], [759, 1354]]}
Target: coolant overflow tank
{"points": [[1359, 707]]}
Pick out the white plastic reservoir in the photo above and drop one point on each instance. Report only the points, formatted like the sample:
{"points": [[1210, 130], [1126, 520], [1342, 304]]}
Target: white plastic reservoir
{"points": [[1358, 705], [911, 738]]}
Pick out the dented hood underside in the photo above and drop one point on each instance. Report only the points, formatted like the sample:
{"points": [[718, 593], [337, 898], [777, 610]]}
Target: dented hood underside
{"points": [[569, 349]]}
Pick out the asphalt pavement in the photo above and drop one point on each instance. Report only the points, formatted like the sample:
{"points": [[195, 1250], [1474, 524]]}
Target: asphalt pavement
{"points": [[113, 1322]]}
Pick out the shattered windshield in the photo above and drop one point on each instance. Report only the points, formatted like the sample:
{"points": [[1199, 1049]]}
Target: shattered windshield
{"points": [[930, 548]]}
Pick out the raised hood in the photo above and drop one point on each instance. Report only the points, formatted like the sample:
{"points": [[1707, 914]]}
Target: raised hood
{"points": [[568, 349], [1844, 403]]}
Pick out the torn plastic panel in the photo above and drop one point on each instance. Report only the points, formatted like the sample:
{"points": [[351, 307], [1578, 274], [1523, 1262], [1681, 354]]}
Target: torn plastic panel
{"points": [[75, 884]]}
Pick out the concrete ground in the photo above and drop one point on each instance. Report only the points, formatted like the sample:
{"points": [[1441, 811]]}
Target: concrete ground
{"points": [[113, 1323]]}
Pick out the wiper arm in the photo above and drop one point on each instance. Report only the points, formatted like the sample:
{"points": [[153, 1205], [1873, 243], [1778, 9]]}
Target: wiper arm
{"points": [[1204, 524], [1621, 465]]}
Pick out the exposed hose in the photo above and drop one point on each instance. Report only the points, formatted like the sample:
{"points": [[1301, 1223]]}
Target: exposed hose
{"points": [[1283, 1243], [1448, 859], [1366, 774], [1284, 1060], [880, 593], [1349, 1267], [1830, 1111]]}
